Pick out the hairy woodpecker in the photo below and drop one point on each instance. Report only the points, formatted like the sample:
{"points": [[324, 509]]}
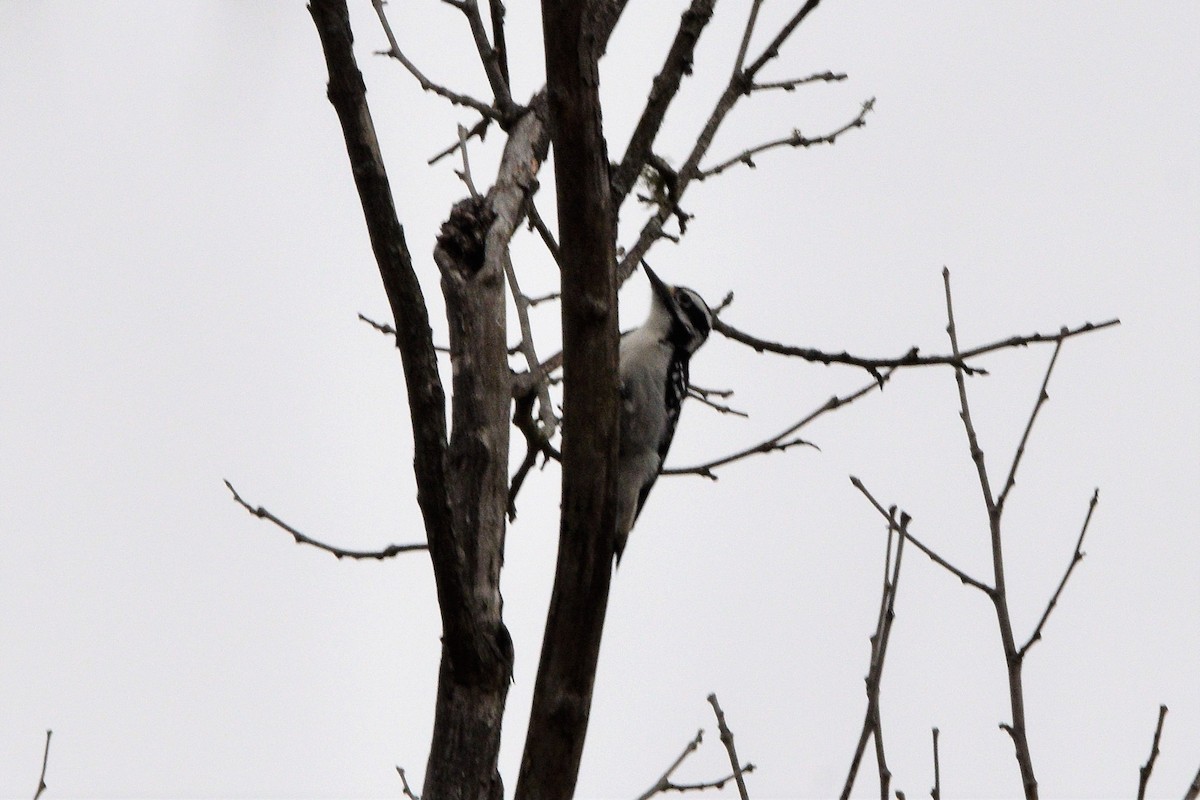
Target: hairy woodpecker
{"points": [[654, 382]]}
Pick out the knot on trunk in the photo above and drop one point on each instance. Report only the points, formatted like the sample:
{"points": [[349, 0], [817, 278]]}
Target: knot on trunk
{"points": [[463, 236]]}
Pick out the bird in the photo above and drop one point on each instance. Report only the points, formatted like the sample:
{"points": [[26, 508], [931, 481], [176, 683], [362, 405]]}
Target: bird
{"points": [[653, 372]]}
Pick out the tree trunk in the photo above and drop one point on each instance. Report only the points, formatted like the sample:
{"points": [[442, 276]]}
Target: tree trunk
{"points": [[574, 34]]}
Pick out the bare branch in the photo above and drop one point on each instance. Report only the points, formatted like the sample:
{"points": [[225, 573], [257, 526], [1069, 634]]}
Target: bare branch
{"points": [[727, 740], [747, 33], [790, 86], [739, 85], [549, 422], [496, 11], [466, 170], [797, 139], [1076, 557], [478, 129], [1042, 397], [394, 52], [666, 84], [388, 552], [910, 359], [45, 760], [1148, 767], [405, 788], [780, 441], [1193, 791], [494, 63], [872, 726], [664, 782], [388, 330], [703, 396], [936, 792], [933, 556], [965, 413], [539, 225]]}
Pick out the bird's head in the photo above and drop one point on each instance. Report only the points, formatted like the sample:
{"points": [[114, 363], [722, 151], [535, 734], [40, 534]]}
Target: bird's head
{"points": [[681, 311]]}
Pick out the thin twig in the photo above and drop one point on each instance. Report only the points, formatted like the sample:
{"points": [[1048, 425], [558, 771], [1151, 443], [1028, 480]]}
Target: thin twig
{"points": [[549, 422], [727, 740], [388, 330], [408, 792], [977, 456], [738, 86], [539, 225], [780, 441], [789, 86], [466, 170], [747, 33], [45, 760], [394, 52], [1042, 397], [1193, 791], [936, 791], [910, 359], [1148, 767], [663, 90], [388, 552], [1076, 557], [491, 59], [872, 727], [933, 556], [796, 139], [703, 398], [478, 129], [664, 782]]}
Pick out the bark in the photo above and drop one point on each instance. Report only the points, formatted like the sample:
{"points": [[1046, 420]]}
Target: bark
{"points": [[575, 34]]}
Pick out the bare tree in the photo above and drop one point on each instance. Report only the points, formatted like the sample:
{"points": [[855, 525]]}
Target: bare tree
{"points": [[464, 489]]}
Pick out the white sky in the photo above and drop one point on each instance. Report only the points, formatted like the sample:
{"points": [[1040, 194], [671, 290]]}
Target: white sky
{"points": [[182, 259]]}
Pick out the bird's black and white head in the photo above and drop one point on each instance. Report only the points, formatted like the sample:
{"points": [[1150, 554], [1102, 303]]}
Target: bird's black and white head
{"points": [[679, 314]]}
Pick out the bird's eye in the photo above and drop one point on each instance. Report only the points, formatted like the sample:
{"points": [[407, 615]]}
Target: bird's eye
{"points": [[685, 301]]}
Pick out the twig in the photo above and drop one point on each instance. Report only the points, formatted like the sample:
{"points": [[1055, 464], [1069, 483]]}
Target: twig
{"points": [[910, 359], [388, 330], [790, 86], [466, 170], [797, 139], [972, 438], [1193, 791], [936, 791], [535, 443], [1013, 660], [678, 63], [549, 423], [1148, 767], [933, 556], [539, 225], [727, 740], [394, 52], [494, 63], [872, 727], [478, 129], [664, 782], [45, 760], [747, 33], [1042, 397], [702, 396], [1076, 557], [408, 792], [388, 552], [779, 442], [738, 86]]}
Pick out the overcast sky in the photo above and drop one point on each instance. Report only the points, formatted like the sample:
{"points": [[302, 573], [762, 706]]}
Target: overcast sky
{"points": [[182, 262]]}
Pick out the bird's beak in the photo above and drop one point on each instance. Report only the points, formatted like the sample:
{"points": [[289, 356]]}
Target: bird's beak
{"points": [[661, 289]]}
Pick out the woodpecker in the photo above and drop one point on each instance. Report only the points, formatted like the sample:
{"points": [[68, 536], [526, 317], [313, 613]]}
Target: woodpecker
{"points": [[654, 383]]}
